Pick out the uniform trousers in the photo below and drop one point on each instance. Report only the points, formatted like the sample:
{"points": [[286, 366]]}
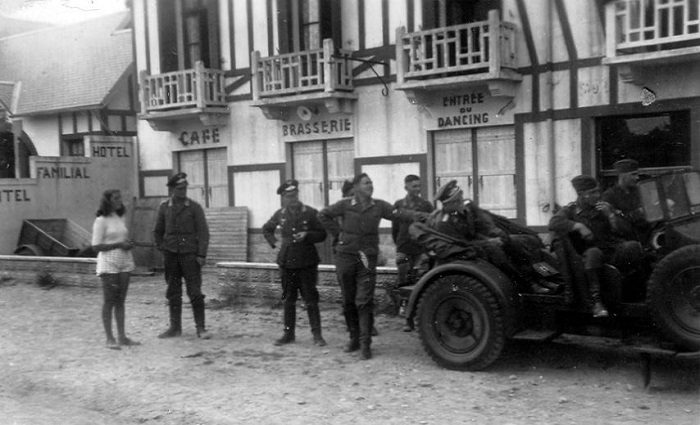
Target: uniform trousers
{"points": [[357, 282]]}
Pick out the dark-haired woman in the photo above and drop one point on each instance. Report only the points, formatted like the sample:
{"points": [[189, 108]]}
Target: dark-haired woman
{"points": [[110, 239]]}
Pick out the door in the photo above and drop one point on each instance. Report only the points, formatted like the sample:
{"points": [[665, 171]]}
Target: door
{"points": [[482, 160], [495, 149], [321, 167], [206, 175]]}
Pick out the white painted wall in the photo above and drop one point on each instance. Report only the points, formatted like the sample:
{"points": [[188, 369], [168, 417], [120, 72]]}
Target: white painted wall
{"points": [[43, 132]]}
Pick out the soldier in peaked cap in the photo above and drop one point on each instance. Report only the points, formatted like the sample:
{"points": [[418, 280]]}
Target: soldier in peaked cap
{"points": [[182, 235], [297, 259], [514, 254], [589, 223], [625, 200]]}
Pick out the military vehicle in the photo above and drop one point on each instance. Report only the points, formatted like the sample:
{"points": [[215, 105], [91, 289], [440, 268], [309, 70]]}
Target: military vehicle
{"points": [[466, 310]]}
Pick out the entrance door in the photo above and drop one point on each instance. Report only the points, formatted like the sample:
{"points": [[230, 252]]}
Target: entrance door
{"points": [[206, 174], [483, 163], [321, 167]]}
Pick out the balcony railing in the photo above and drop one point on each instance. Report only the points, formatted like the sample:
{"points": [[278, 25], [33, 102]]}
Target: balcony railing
{"points": [[302, 72], [650, 25], [484, 46], [190, 88]]}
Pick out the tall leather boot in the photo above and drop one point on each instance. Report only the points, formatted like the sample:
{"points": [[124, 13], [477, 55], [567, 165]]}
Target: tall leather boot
{"points": [[315, 324], [366, 316], [353, 325], [290, 321], [175, 328], [199, 318], [597, 308]]}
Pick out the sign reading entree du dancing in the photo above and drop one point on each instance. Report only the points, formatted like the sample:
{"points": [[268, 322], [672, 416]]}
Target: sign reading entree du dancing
{"points": [[475, 108]]}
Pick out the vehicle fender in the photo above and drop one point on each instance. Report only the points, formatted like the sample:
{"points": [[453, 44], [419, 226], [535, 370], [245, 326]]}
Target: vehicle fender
{"points": [[501, 285]]}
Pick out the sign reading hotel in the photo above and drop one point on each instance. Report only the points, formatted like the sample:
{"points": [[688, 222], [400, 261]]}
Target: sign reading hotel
{"points": [[463, 109], [305, 124]]}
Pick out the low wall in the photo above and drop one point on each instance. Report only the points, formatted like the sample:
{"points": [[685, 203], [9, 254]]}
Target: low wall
{"points": [[67, 270], [242, 282]]}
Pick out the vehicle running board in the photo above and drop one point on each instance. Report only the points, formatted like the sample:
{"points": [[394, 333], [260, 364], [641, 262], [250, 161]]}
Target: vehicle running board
{"points": [[535, 335]]}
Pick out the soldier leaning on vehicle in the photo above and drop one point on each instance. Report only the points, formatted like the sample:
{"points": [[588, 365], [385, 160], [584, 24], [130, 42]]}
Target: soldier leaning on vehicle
{"points": [[297, 259], [513, 254]]}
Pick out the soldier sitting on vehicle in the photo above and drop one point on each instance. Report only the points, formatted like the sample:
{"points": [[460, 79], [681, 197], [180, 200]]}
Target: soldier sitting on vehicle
{"points": [[625, 200], [513, 254], [588, 223]]}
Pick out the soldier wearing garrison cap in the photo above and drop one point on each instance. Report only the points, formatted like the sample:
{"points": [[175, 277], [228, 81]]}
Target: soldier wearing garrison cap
{"points": [[409, 254], [181, 233], [509, 252], [626, 202], [297, 259], [589, 224]]}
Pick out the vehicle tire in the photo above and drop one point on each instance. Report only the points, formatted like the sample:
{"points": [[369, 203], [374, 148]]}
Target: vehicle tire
{"points": [[673, 296], [461, 323]]}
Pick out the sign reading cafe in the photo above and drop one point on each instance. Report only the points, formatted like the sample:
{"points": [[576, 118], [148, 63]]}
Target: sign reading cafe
{"points": [[475, 108]]}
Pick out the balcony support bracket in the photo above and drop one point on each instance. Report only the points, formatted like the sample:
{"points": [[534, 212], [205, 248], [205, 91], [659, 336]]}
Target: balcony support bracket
{"points": [[275, 113]]}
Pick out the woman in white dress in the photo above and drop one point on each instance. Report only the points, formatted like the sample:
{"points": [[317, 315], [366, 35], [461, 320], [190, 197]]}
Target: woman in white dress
{"points": [[110, 239]]}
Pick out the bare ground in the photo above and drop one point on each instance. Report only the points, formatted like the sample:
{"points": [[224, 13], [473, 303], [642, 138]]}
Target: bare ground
{"points": [[56, 370]]}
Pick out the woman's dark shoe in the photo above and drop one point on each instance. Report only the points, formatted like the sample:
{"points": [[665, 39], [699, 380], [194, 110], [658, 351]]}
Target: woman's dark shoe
{"points": [[170, 333]]}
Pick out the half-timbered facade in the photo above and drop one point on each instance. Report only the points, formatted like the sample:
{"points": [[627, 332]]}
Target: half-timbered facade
{"points": [[510, 97]]}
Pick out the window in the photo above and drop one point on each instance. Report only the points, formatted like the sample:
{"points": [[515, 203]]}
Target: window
{"points": [[445, 13], [304, 24], [658, 141], [188, 31], [73, 147]]}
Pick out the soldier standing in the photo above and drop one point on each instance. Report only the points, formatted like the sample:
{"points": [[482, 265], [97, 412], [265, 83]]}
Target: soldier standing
{"points": [[297, 259], [408, 252], [182, 235], [356, 257]]}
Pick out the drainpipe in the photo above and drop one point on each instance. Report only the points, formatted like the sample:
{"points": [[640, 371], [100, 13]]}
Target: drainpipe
{"points": [[550, 83]]}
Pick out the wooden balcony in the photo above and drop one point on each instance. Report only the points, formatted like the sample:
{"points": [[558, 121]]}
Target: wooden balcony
{"points": [[651, 32], [478, 53], [310, 77], [196, 93]]}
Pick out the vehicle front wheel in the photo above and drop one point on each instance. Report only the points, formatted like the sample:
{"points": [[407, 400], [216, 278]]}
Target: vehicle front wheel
{"points": [[461, 323], [673, 296]]}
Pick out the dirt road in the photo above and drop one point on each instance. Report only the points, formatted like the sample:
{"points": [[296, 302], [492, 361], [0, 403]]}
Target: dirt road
{"points": [[56, 370]]}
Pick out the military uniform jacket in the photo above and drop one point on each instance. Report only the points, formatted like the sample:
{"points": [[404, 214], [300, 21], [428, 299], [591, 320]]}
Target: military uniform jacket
{"points": [[360, 223], [295, 254], [630, 220], [471, 223], [562, 224], [399, 227], [181, 228]]}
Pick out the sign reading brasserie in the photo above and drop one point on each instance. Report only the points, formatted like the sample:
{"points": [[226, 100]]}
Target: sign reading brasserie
{"points": [[475, 108], [316, 127]]}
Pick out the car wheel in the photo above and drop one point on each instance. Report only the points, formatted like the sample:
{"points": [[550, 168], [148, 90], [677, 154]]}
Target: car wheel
{"points": [[460, 323], [673, 296]]}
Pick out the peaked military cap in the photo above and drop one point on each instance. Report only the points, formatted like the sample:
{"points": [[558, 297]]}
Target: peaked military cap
{"points": [[289, 186], [448, 191], [177, 179], [583, 182], [627, 165]]}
